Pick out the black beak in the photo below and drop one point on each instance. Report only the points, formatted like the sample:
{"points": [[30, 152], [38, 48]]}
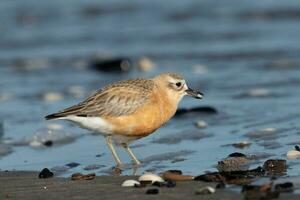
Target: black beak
{"points": [[194, 93]]}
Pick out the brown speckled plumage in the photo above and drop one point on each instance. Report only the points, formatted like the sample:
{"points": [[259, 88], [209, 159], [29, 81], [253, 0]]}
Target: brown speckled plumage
{"points": [[117, 99]]}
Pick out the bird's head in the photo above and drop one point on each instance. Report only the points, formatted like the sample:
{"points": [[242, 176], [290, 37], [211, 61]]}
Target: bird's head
{"points": [[175, 86]]}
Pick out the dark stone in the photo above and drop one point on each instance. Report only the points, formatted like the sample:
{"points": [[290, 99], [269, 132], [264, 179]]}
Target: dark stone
{"points": [[259, 191], [72, 164], [232, 177], [175, 171], [210, 177], [275, 166], [152, 191], [170, 184], [241, 145], [204, 109], [45, 173], [284, 187], [237, 154], [111, 65], [220, 185], [233, 164], [297, 148], [48, 143]]}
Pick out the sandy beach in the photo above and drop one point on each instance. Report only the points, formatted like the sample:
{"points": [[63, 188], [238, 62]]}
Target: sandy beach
{"points": [[26, 185]]}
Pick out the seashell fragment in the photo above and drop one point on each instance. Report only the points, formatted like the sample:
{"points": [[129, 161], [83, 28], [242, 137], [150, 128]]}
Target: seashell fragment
{"points": [[130, 183], [292, 154], [206, 190], [201, 124], [149, 177]]}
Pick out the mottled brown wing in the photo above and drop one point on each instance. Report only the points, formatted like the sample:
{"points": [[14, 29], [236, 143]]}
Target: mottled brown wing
{"points": [[121, 98]]}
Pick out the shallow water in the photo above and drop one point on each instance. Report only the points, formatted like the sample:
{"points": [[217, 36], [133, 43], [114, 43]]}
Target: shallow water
{"points": [[243, 56]]}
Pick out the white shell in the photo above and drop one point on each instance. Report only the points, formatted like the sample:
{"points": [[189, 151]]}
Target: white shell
{"points": [[269, 130], [259, 92], [206, 190], [130, 183], [293, 154], [35, 143], [151, 177], [201, 124]]}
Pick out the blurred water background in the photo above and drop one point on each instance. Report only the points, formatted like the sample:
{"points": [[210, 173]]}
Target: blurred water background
{"points": [[243, 55]]}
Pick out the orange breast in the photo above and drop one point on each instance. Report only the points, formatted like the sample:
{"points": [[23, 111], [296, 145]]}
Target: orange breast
{"points": [[146, 119]]}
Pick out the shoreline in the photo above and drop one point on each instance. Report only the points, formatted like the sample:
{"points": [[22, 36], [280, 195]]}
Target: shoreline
{"points": [[26, 185]]}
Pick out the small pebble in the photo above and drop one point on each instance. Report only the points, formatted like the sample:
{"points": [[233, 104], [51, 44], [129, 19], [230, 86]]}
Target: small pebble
{"points": [[269, 130], [51, 97], [210, 177], [145, 64], [259, 92], [284, 187], [170, 184], [220, 185], [72, 164], [275, 166], [175, 171], [45, 173], [237, 154], [48, 143], [201, 124], [242, 144], [130, 183], [35, 143], [55, 126], [152, 191], [233, 164], [203, 109], [205, 190]]}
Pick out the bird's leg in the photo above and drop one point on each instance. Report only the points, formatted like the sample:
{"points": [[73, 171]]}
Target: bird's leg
{"points": [[113, 151], [136, 161]]}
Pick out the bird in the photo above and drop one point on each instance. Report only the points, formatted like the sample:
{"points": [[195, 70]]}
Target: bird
{"points": [[128, 110]]}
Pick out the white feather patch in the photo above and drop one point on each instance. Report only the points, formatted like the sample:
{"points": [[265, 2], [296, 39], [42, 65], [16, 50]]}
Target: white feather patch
{"points": [[96, 124]]}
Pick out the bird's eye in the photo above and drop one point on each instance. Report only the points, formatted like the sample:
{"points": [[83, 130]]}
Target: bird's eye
{"points": [[178, 84]]}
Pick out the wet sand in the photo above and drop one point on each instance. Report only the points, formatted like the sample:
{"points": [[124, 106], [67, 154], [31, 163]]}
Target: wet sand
{"points": [[26, 185]]}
